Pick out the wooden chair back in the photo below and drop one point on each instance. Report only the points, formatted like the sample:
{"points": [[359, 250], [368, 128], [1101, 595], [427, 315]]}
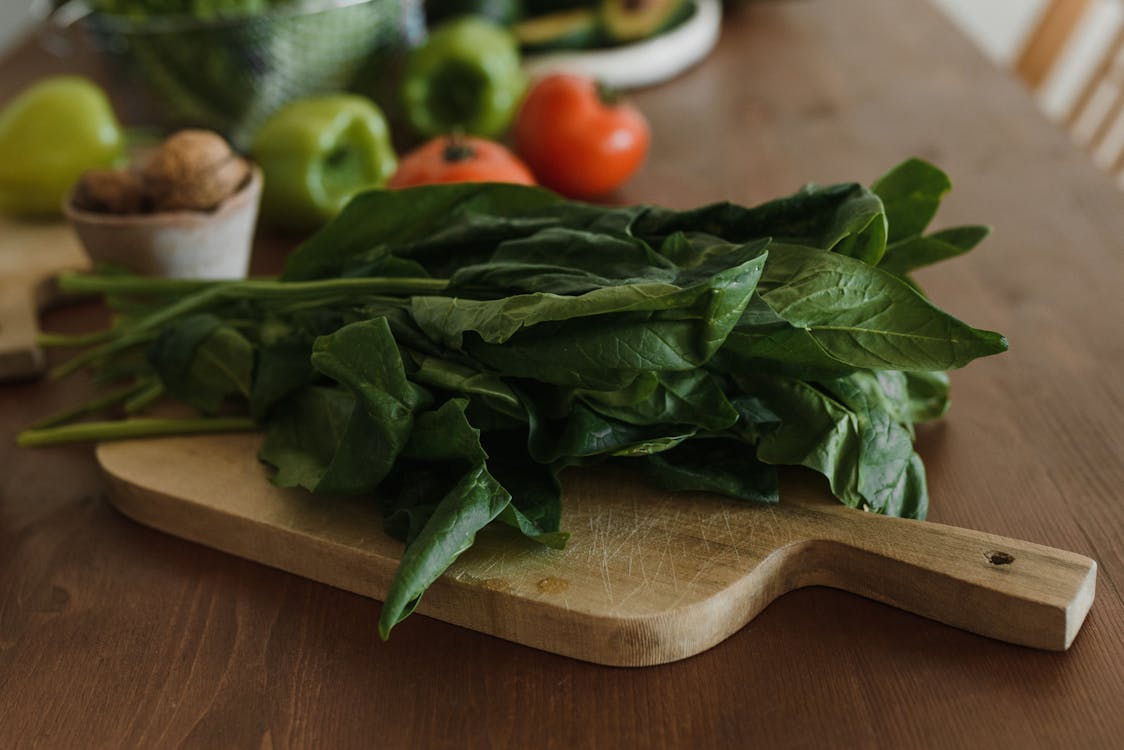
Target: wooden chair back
{"points": [[1096, 115], [1049, 37]]}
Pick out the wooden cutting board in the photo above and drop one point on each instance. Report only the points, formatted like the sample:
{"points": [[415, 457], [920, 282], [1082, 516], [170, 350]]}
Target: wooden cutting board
{"points": [[648, 576], [31, 255]]}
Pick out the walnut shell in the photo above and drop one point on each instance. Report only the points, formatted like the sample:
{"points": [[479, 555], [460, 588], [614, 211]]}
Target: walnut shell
{"points": [[193, 170], [110, 191]]}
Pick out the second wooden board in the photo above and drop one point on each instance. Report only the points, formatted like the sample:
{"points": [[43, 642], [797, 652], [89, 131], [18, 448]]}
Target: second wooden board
{"points": [[31, 255], [648, 576]]}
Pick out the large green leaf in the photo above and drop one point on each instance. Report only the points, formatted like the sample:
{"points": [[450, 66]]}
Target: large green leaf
{"points": [[911, 193], [364, 359], [378, 220], [283, 368], [763, 339], [445, 443], [584, 434], [866, 317], [814, 431], [679, 330], [471, 505], [320, 439], [727, 467], [843, 430], [202, 361], [458, 378], [445, 434], [563, 260], [536, 494], [447, 319], [847, 217], [599, 353], [720, 294], [928, 395], [887, 478], [691, 397], [911, 253]]}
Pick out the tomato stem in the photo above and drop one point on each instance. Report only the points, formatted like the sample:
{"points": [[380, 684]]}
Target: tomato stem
{"points": [[608, 95], [456, 149]]}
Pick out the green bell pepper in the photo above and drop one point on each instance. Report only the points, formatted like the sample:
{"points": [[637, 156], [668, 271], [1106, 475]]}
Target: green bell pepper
{"points": [[465, 77], [316, 153], [50, 134]]}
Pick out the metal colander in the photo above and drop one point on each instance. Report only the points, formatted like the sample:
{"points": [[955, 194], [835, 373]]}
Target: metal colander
{"points": [[229, 74]]}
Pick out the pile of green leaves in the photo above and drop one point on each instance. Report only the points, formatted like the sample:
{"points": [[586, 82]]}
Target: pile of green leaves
{"points": [[449, 350]]}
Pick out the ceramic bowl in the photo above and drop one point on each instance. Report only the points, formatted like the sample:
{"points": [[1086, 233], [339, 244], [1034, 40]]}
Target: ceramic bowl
{"points": [[212, 244]]}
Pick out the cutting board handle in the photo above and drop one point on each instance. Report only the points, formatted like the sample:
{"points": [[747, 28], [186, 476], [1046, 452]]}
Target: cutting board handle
{"points": [[1015, 591], [32, 253]]}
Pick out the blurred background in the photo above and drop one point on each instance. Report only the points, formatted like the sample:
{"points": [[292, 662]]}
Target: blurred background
{"points": [[14, 20], [1067, 52], [1001, 28], [998, 26]]}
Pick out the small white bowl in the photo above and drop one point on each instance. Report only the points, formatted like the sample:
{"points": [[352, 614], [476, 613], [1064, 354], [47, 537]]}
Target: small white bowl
{"points": [[212, 244]]}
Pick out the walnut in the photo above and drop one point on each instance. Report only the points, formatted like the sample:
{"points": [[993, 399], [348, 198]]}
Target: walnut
{"points": [[111, 191], [193, 170]]}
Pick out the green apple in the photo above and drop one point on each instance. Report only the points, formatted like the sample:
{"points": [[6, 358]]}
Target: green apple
{"points": [[466, 76], [317, 153], [50, 134]]}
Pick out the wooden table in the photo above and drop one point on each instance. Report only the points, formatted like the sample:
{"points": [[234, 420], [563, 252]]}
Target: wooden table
{"points": [[115, 635]]}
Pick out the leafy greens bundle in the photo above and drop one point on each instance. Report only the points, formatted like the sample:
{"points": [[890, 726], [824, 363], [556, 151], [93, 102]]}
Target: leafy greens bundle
{"points": [[449, 350]]}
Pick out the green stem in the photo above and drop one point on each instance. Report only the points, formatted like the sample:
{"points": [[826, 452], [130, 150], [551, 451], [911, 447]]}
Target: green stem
{"points": [[144, 399], [305, 289], [90, 407], [341, 300], [609, 95], [218, 291], [92, 284], [90, 356], [132, 365], [132, 428], [64, 340], [250, 289]]}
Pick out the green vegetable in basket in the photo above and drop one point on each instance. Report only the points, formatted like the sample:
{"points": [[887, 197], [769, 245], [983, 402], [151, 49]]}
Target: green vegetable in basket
{"points": [[578, 28], [500, 11], [50, 134], [227, 65], [466, 76], [316, 153], [201, 9], [627, 21]]}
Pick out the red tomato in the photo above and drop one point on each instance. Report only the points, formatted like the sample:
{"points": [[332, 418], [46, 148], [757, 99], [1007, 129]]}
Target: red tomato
{"points": [[577, 139], [460, 159]]}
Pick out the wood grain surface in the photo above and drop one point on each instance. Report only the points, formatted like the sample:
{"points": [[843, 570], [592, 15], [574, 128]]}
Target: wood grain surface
{"points": [[113, 635], [649, 576]]}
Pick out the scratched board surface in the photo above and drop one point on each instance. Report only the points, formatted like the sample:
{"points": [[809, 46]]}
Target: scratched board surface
{"points": [[634, 552], [648, 576]]}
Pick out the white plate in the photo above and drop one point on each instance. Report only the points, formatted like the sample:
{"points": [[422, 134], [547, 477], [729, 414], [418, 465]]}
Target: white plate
{"points": [[645, 63]]}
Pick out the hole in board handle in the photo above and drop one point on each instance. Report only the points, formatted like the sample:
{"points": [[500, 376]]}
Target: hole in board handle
{"points": [[999, 558]]}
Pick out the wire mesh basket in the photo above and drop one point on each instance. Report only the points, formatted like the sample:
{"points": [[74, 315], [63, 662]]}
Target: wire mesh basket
{"points": [[229, 74]]}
